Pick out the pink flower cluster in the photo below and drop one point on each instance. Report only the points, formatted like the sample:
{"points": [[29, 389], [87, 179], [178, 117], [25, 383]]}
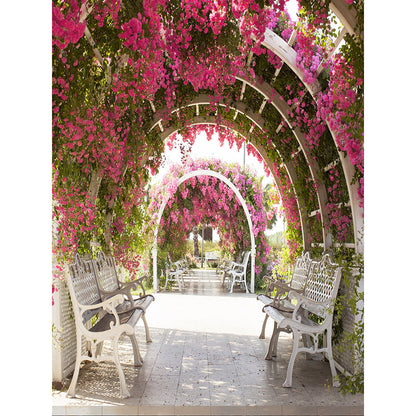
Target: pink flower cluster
{"points": [[66, 27]]}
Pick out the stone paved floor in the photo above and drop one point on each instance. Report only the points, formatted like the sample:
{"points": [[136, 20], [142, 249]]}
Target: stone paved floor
{"points": [[206, 358]]}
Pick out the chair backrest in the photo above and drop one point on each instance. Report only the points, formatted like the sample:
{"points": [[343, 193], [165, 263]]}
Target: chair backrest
{"points": [[300, 272], [83, 286], [239, 257], [105, 270], [245, 259], [322, 285]]}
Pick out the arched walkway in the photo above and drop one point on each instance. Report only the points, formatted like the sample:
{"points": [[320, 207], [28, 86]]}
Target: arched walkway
{"points": [[206, 172]]}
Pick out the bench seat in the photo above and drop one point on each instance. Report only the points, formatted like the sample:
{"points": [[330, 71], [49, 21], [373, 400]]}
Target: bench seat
{"points": [[130, 317], [284, 304]]}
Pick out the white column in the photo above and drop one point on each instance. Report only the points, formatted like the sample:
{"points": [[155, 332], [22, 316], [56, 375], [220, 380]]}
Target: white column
{"points": [[155, 282]]}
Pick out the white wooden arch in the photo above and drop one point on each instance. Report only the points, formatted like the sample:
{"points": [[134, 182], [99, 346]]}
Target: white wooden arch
{"points": [[207, 172]]}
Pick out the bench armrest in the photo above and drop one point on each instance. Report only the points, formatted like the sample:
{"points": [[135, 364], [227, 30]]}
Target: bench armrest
{"points": [[281, 289], [136, 283], [126, 288], [109, 305]]}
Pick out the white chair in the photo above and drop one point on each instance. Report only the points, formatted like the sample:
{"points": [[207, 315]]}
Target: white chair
{"points": [[238, 272], [174, 272]]}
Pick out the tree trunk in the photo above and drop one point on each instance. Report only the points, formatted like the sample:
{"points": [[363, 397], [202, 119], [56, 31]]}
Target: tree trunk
{"points": [[196, 247]]}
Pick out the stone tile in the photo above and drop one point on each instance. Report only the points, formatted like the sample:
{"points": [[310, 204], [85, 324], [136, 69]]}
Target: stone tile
{"points": [[195, 393], [153, 410], [193, 410], [167, 367], [160, 391], [331, 396], [83, 410], [255, 410], [227, 393], [296, 410], [58, 410], [293, 396], [228, 410], [192, 366], [340, 410], [120, 410]]}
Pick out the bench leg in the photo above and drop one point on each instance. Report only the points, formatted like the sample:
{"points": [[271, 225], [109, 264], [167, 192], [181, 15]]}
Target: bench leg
{"points": [[123, 387], [71, 389], [146, 328], [138, 360], [288, 381], [335, 380], [263, 329], [99, 349], [272, 349]]}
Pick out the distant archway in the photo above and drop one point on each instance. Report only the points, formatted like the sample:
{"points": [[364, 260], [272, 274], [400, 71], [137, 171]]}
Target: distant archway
{"points": [[207, 172]]}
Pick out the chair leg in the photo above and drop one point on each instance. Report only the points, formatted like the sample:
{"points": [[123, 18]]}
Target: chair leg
{"points": [[288, 381], [263, 329], [232, 284], [245, 284], [123, 387], [166, 282], [146, 328], [179, 282]]}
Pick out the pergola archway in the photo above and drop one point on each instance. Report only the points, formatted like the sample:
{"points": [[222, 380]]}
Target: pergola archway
{"points": [[124, 78], [184, 178]]}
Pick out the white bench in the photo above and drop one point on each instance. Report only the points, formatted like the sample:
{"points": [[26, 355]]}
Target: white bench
{"points": [[281, 288], [318, 298], [98, 320]]}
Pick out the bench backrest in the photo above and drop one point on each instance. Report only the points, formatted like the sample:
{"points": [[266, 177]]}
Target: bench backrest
{"points": [[105, 270], [300, 272], [322, 285], [83, 285]]}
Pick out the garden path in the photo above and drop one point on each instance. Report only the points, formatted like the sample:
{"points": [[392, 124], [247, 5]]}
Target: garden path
{"points": [[206, 358]]}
